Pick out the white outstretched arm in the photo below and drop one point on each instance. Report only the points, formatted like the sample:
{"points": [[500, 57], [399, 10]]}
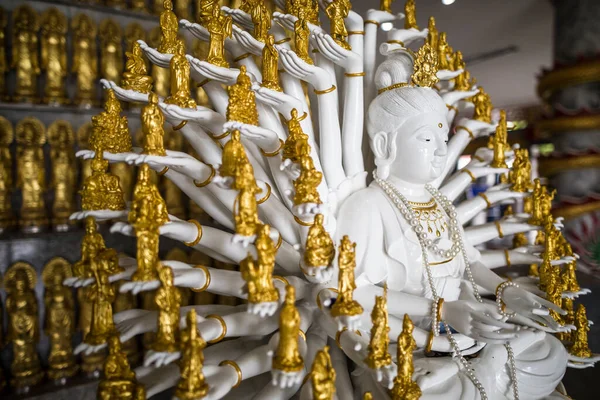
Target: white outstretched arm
{"points": [[458, 183], [500, 258], [468, 209], [482, 233]]}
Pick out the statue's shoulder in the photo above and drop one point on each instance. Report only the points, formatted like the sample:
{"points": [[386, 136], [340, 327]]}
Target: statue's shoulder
{"points": [[372, 197]]}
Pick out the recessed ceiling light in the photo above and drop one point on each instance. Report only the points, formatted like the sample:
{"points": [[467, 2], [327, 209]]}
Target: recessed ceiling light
{"points": [[387, 26], [448, 2]]}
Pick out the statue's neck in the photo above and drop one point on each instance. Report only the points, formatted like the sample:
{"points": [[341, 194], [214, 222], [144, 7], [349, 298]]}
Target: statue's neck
{"points": [[412, 191]]}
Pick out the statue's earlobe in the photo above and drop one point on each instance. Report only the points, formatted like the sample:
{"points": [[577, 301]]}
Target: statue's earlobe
{"points": [[384, 149]]}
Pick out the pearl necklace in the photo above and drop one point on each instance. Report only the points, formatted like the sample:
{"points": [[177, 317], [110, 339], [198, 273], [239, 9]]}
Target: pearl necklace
{"points": [[457, 247]]}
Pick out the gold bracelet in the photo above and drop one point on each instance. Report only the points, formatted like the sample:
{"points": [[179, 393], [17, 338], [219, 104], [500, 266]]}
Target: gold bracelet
{"points": [[300, 222], [204, 82], [302, 334], [507, 256], [449, 107], [240, 58], [181, 125], [164, 171], [331, 89], [429, 343], [370, 21], [480, 159], [279, 241], [282, 279], [223, 327], [487, 201], [338, 336], [400, 42], [465, 170], [303, 117], [206, 283], [354, 74], [198, 235], [284, 40], [222, 136], [356, 33], [237, 369], [266, 197], [464, 128], [273, 153], [440, 303], [319, 298], [499, 228], [208, 180]]}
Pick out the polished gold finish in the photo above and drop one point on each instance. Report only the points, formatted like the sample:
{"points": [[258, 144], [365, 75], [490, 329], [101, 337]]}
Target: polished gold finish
{"points": [[410, 18], [92, 247], [270, 60], [242, 100], [219, 26], [425, 67], [25, 62], [198, 235], [261, 19], [520, 174], [378, 354], [54, 55], [102, 190], [119, 380], [207, 279], [233, 156], [180, 79], [160, 75], [223, 329], [394, 86], [287, 357], [153, 122], [110, 132], [6, 174], [265, 198], [307, 183], [208, 180], [192, 384], [296, 144], [168, 301], [354, 74], [483, 106], [302, 33], [91, 363], [541, 203], [61, 139], [23, 330], [136, 76], [85, 58], [444, 51], [245, 206], [500, 143], [169, 26], [111, 51], [258, 274], [404, 386], [102, 295], [386, 5], [319, 250], [325, 91], [337, 10], [31, 180], [576, 74], [322, 375], [580, 347], [345, 305], [237, 369]]}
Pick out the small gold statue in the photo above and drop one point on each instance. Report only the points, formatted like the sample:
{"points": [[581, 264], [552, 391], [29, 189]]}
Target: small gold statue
{"points": [[464, 82], [61, 139], [23, 325], [270, 62], [337, 10], [153, 122], [31, 177], [111, 51], [169, 25], [410, 17], [54, 55], [367, 396], [242, 100], [386, 5], [136, 76], [192, 384], [307, 183], [302, 33], [520, 240], [569, 278], [319, 250], [580, 347], [483, 106], [500, 142], [180, 79], [25, 60], [546, 201], [59, 320], [91, 364], [259, 274], [205, 11], [102, 190], [233, 156], [6, 174], [3, 71], [432, 35], [404, 387], [91, 245], [110, 130], [246, 212], [261, 18], [287, 358], [535, 204], [219, 26], [379, 355], [85, 59], [102, 295], [296, 144], [345, 304], [567, 319], [322, 375], [520, 174], [425, 67], [554, 290], [444, 51], [133, 33], [119, 381], [168, 301], [160, 75]]}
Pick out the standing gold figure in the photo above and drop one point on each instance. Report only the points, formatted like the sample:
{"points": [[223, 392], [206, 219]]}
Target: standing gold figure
{"points": [[153, 121], [90, 364], [287, 357], [322, 375], [302, 32], [296, 144], [136, 76], [54, 55], [259, 274], [242, 100], [432, 35], [319, 250], [337, 10], [520, 173], [169, 26], [119, 380], [534, 203], [31, 179], [410, 17], [569, 278], [270, 61], [567, 319], [85, 59], [102, 190], [580, 347], [500, 142], [23, 325], [92, 245], [25, 53], [3, 71], [444, 51], [220, 27], [307, 183], [192, 384], [404, 387], [245, 207], [204, 10], [483, 106], [160, 75], [261, 18], [168, 300], [111, 132], [111, 51], [6, 170], [345, 305], [180, 79], [386, 5], [233, 156], [102, 295], [379, 356], [61, 139], [59, 320], [554, 290]]}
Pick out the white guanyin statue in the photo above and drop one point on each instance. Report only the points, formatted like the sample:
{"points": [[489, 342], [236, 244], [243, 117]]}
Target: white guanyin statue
{"points": [[309, 174]]}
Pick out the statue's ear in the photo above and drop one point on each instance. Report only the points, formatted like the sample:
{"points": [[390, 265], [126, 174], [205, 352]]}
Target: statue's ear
{"points": [[383, 147]]}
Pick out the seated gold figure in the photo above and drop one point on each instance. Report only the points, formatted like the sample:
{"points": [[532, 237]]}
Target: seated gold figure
{"points": [[136, 75]]}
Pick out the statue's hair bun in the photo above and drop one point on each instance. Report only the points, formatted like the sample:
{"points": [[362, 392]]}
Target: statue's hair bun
{"points": [[397, 68]]}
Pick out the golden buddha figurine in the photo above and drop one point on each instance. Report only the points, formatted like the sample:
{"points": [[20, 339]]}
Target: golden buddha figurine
{"points": [[319, 250], [259, 274], [85, 59], [404, 387], [580, 347], [170, 191], [160, 75], [546, 201], [102, 295], [432, 35], [192, 384], [425, 67], [59, 319], [180, 79], [25, 62], [169, 26], [153, 122], [91, 245], [83, 136], [322, 375], [569, 278], [133, 33], [567, 319], [23, 330], [554, 290], [500, 142], [61, 139], [270, 62], [136, 76], [464, 81], [54, 55], [345, 304], [520, 174], [483, 106], [535, 209], [261, 18], [219, 26], [444, 51], [233, 156], [119, 381], [102, 190], [111, 51], [6, 174], [204, 11], [301, 34], [3, 71], [287, 357], [296, 144], [110, 129], [245, 207], [378, 354], [337, 10], [242, 100], [31, 177], [386, 5], [410, 17], [168, 301], [307, 183]]}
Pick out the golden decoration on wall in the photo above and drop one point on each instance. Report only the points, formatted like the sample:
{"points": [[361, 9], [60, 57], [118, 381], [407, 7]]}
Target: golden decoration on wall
{"points": [[345, 304], [85, 59], [6, 174], [404, 387], [59, 319], [219, 26], [287, 357], [54, 55], [111, 51], [270, 62], [242, 100], [410, 15], [169, 26], [160, 75], [31, 179], [180, 79], [25, 53], [322, 375], [136, 76], [61, 139], [23, 330], [168, 301], [337, 10], [119, 380], [378, 354], [192, 384]]}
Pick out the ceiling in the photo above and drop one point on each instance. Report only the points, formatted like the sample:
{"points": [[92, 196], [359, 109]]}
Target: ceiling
{"points": [[481, 26]]}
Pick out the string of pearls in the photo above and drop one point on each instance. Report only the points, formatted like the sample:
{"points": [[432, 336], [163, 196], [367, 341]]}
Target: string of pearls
{"points": [[457, 247]]}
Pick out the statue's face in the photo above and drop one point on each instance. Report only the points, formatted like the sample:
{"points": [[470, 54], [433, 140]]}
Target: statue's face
{"points": [[422, 148]]}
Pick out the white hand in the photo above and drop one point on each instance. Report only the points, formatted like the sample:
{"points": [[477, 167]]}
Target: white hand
{"points": [[247, 41], [346, 59], [386, 375], [299, 69], [195, 29], [239, 17], [281, 102], [130, 323], [264, 138], [156, 57], [160, 359], [531, 306]]}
